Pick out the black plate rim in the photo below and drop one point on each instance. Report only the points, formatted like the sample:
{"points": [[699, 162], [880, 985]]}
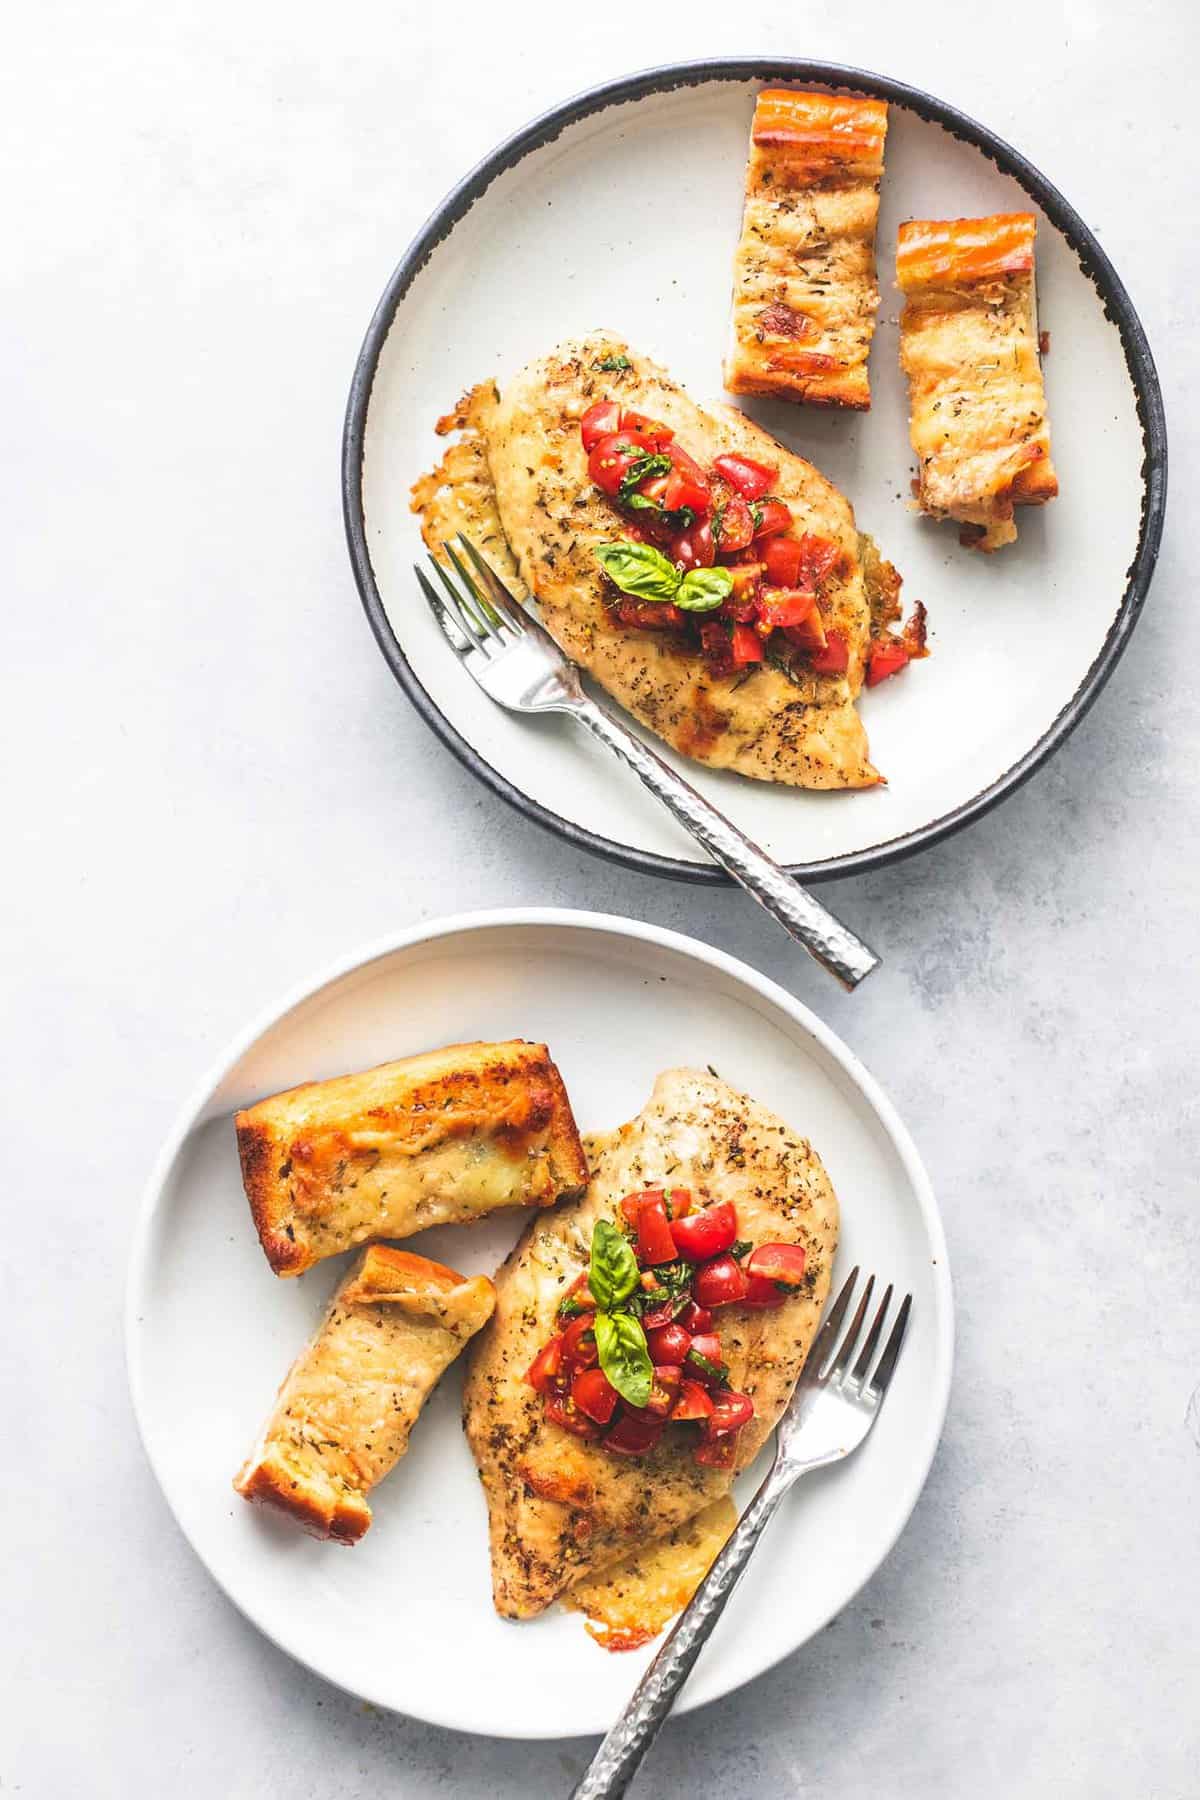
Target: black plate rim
{"points": [[666, 78]]}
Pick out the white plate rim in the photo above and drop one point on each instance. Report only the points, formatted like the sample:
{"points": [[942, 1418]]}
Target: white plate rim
{"points": [[1094, 261], [458, 924]]}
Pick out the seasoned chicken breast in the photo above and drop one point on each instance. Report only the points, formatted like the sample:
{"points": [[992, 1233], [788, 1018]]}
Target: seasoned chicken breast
{"points": [[561, 1508], [439, 1139], [350, 1400], [804, 288], [969, 346]]}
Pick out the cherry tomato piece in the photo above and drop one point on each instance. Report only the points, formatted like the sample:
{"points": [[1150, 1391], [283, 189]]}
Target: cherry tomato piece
{"points": [[716, 1453], [579, 1294], [654, 1241], [601, 420], [809, 634], [735, 529], [693, 548], [679, 1202], [631, 1205], [780, 608], [746, 646], [707, 1232], [594, 1394], [708, 1346], [721, 1282], [564, 1412], [763, 1294], [834, 659], [633, 1434], [658, 433], [772, 516], [751, 479], [885, 660], [663, 1393], [687, 484], [696, 1319], [717, 646], [667, 1343], [648, 615], [693, 1401], [730, 1412], [611, 457], [782, 558], [544, 1370], [779, 1262], [818, 556], [657, 1316], [579, 1342]]}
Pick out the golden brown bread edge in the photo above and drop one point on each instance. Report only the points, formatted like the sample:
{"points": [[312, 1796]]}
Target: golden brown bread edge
{"points": [[317, 1159]]}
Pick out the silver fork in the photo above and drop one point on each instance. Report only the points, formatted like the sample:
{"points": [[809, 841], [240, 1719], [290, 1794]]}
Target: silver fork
{"points": [[830, 1413], [517, 663]]}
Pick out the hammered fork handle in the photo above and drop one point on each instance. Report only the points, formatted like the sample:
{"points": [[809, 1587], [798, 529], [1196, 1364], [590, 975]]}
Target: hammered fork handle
{"points": [[619, 1757], [804, 918]]}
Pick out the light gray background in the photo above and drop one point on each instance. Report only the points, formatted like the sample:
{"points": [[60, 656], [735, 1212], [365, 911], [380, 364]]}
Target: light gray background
{"points": [[214, 787]]}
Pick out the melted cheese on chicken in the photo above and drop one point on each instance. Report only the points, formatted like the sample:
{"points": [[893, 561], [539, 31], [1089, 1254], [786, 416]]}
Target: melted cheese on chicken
{"points": [[969, 346], [439, 1139], [805, 292], [350, 1400], [630, 1603]]}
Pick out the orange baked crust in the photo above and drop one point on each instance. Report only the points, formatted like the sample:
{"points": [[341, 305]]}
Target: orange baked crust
{"points": [[969, 347], [329, 1164], [805, 292]]}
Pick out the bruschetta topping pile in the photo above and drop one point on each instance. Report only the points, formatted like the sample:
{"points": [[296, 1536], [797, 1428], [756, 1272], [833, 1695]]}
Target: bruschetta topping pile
{"points": [[712, 556], [637, 1347]]}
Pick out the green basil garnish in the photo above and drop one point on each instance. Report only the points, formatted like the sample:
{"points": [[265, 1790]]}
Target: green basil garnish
{"points": [[703, 590], [642, 468], [624, 1357], [718, 1371], [613, 1275], [742, 1248], [640, 570], [613, 362]]}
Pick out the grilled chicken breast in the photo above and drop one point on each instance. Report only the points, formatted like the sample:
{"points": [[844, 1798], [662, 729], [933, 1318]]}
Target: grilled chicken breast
{"points": [[439, 1139], [350, 1400], [805, 293], [969, 346], [561, 1508]]}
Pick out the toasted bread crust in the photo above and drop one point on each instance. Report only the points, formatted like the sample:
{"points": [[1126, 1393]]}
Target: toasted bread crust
{"points": [[442, 1138]]}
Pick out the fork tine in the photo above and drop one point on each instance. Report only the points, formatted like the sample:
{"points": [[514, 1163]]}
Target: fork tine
{"points": [[859, 1372], [887, 1362], [453, 632], [823, 1341], [842, 1362], [482, 607], [499, 595], [460, 608]]}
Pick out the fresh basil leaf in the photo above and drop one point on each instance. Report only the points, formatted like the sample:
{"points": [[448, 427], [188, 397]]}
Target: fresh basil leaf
{"points": [[742, 1248], [613, 1274], [640, 570], [641, 503], [613, 362], [717, 525], [718, 1371], [703, 590], [642, 468], [624, 1356]]}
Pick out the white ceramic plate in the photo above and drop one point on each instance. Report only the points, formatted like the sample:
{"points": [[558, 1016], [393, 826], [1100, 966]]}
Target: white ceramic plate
{"points": [[565, 228], [405, 1618]]}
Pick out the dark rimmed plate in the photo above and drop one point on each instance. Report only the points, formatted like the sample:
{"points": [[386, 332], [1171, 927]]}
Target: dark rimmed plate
{"points": [[562, 229]]}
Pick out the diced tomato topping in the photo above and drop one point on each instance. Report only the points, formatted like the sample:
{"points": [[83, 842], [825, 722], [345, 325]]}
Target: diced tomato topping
{"points": [[546, 1366], [664, 1392], [773, 516], [668, 1343], [735, 529], [779, 1262], [579, 1342], [654, 1241], [658, 433], [763, 1294], [780, 608], [599, 421], [716, 1453], [885, 660], [751, 479], [648, 615], [611, 457], [809, 634], [730, 1412], [655, 1317], [782, 558], [564, 1412], [708, 1345], [696, 1319], [679, 1202], [633, 1434], [594, 1394], [693, 548], [817, 558], [707, 1232], [716, 645], [834, 659], [686, 484], [631, 1205], [693, 1401], [746, 646], [721, 1282], [580, 1292]]}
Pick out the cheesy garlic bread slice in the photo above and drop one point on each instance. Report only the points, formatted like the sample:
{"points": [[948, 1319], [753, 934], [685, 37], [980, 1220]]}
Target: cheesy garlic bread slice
{"points": [[439, 1139], [805, 292], [969, 347], [344, 1413]]}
